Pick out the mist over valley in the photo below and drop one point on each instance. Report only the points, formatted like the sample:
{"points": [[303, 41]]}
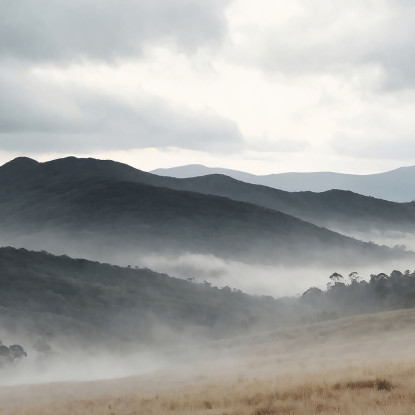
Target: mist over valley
{"points": [[140, 273], [135, 279]]}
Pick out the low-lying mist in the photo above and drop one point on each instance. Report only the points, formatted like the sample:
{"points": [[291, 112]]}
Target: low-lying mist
{"points": [[66, 360], [277, 281], [79, 366], [333, 365], [142, 332], [397, 239], [251, 277], [80, 320]]}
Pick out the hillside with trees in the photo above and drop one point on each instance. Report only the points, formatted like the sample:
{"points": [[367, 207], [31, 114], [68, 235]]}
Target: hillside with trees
{"points": [[80, 303], [352, 295]]}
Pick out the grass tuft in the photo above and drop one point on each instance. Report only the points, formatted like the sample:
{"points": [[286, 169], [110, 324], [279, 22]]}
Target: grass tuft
{"points": [[379, 384]]}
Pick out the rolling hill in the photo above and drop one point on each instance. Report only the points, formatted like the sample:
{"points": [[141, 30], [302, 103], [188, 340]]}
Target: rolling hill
{"points": [[338, 209], [75, 302], [343, 211], [396, 185], [79, 303], [104, 209]]}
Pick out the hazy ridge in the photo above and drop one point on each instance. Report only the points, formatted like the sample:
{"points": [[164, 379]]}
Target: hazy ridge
{"points": [[102, 207], [395, 185]]}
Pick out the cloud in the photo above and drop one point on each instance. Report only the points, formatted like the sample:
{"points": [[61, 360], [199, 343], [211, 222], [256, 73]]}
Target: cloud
{"points": [[400, 148], [329, 79], [340, 37], [65, 30], [283, 145], [381, 127], [38, 117]]}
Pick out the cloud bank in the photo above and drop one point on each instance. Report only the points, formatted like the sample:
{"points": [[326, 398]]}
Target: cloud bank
{"points": [[268, 82], [91, 29]]}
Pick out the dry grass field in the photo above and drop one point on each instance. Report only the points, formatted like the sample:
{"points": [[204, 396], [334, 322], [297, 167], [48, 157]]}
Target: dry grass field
{"points": [[361, 365], [381, 389]]}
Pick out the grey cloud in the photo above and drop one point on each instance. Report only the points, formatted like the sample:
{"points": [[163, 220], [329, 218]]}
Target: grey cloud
{"points": [[36, 118], [377, 147], [105, 30], [340, 37], [383, 128], [283, 145]]}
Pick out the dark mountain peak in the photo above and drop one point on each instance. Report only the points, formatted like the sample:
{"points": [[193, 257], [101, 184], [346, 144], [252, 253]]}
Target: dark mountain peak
{"points": [[21, 163], [20, 167], [76, 162], [71, 168], [105, 167]]}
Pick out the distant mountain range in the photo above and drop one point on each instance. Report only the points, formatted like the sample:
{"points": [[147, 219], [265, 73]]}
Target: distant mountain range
{"points": [[341, 210], [344, 211], [106, 209], [396, 185]]}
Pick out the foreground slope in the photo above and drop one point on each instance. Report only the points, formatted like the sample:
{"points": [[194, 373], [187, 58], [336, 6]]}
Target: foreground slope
{"points": [[104, 209], [395, 185], [359, 365]]}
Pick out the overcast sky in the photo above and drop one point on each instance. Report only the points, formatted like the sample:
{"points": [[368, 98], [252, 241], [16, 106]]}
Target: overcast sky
{"points": [[262, 86]]}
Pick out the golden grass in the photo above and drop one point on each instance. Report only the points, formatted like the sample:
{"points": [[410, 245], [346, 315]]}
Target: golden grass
{"points": [[299, 374], [353, 390]]}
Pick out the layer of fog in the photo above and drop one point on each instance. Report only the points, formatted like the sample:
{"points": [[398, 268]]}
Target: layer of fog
{"points": [[405, 240], [277, 281], [342, 345], [67, 361], [252, 278], [36, 369], [78, 365]]}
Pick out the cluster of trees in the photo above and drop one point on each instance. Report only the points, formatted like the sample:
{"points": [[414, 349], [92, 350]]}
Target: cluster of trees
{"points": [[11, 354], [353, 295]]}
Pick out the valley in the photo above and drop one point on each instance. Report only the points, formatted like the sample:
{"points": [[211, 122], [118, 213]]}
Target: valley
{"points": [[134, 293], [207, 207]]}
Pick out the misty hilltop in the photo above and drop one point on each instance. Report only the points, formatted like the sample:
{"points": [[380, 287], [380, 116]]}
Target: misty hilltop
{"points": [[103, 209], [396, 185], [76, 302]]}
